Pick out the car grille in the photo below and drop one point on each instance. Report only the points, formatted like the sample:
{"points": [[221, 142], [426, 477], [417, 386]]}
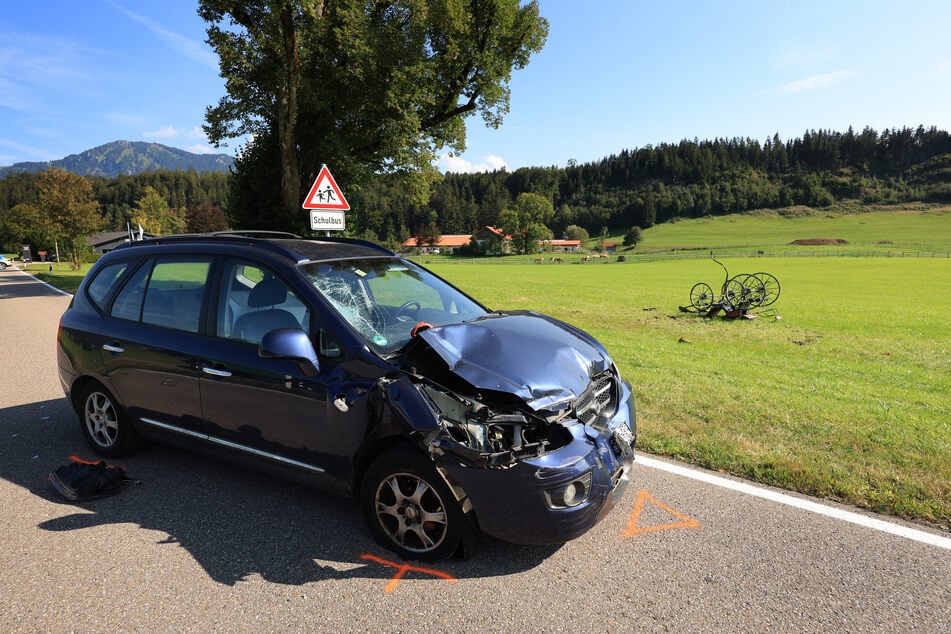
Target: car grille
{"points": [[599, 400]]}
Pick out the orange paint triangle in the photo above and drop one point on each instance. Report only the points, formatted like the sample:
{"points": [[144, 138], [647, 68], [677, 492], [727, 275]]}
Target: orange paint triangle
{"points": [[634, 529]]}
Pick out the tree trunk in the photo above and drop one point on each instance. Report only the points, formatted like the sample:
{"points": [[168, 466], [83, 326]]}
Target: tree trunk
{"points": [[287, 117]]}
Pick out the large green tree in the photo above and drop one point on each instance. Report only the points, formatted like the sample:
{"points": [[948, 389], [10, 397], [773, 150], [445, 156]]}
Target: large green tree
{"points": [[155, 216], [526, 222], [72, 212], [22, 224], [365, 86]]}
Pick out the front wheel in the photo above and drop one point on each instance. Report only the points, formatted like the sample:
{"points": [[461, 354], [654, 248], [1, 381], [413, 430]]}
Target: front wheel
{"points": [[105, 425], [701, 296], [409, 508]]}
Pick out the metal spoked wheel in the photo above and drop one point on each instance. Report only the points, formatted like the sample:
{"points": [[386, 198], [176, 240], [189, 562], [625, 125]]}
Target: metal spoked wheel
{"points": [[732, 292], [743, 291], [770, 286], [701, 296], [754, 290]]}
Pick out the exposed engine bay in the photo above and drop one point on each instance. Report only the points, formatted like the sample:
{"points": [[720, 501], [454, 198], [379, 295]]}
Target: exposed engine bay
{"points": [[475, 377]]}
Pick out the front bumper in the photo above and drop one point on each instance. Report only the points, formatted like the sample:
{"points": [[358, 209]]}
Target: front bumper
{"points": [[511, 503]]}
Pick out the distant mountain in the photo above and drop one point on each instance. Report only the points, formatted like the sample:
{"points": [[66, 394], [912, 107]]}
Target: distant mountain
{"points": [[128, 157]]}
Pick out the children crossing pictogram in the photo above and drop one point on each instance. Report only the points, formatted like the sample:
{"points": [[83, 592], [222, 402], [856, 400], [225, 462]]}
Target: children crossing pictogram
{"points": [[325, 194]]}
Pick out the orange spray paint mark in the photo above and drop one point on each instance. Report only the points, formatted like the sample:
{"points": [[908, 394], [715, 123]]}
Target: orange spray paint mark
{"points": [[402, 569], [634, 529]]}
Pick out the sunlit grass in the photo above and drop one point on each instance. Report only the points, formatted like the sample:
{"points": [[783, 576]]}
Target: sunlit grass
{"points": [[845, 395], [914, 229]]}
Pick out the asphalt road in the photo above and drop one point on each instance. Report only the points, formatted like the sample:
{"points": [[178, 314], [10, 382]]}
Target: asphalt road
{"points": [[202, 545]]}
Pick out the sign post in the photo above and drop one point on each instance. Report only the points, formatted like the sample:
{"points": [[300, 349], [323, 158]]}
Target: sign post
{"points": [[326, 203]]}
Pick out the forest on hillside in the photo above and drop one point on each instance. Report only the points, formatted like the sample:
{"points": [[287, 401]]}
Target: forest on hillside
{"points": [[639, 187], [655, 184]]}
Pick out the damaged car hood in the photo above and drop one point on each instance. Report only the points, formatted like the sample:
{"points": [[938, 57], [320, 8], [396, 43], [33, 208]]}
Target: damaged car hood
{"points": [[539, 359]]}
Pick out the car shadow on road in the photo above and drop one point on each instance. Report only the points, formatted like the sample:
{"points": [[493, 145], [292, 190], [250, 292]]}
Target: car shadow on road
{"points": [[234, 522]]}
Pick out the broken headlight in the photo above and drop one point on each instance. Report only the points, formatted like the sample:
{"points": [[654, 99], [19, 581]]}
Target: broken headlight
{"points": [[480, 436]]}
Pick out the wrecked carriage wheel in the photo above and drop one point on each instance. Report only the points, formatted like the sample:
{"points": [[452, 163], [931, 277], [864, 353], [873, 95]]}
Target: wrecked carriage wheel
{"points": [[771, 288], [701, 296], [410, 509]]}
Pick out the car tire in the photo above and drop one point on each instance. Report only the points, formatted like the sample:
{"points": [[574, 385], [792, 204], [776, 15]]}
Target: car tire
{"points": [[410, 509], [105, 424]]}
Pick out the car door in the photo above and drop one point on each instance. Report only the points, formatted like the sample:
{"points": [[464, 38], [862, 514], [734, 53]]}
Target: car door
{"points": [[265, 409], [151, 343]]}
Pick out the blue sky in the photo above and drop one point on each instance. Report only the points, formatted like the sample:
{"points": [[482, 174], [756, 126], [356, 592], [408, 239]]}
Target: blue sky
{"points": [[614, 75]]}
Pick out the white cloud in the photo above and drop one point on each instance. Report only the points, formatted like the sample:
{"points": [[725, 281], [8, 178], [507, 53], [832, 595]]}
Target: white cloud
{"points": [[823, 80], [192, 49], [459, 165], [168, 132], [200, 149], [195, 133]]}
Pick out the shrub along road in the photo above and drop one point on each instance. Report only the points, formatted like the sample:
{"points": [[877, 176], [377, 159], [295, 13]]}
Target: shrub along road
{"points": [[201, 544]]}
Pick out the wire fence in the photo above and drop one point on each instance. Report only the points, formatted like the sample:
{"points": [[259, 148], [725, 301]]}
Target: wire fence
{"points": [[679, 254], [798, 253]]}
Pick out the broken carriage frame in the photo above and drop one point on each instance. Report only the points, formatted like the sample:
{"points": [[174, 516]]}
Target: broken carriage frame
{"points": [[739, 293]]}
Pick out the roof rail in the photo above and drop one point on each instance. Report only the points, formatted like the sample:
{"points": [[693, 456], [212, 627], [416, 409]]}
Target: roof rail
{"points": [[363, 243], [256, 233]]}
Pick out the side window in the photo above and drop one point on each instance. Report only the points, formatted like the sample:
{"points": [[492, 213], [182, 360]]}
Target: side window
{"points": [[174, 294], [128, 303], [99, 287], [254, 301]]}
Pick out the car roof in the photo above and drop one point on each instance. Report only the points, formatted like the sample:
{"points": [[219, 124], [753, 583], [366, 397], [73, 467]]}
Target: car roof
{"points": [[288, 245]]}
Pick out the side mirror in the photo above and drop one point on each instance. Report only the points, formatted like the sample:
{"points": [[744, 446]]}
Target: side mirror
{"points": [[292, 344]]}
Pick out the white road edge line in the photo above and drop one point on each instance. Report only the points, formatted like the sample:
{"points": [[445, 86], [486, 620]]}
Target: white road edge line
{"points": [[58, 290], [806, 505]]}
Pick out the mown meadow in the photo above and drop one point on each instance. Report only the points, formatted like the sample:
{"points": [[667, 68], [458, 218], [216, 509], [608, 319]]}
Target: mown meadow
{"points": [[841, 389]]}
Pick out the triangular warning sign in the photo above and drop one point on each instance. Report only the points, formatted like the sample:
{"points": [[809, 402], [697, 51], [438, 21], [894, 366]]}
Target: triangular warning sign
{"points": [[324, 193], [634, 529]]}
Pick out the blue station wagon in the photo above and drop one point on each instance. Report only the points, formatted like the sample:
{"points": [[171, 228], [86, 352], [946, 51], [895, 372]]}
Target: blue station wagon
{"points": [[340, 364]]}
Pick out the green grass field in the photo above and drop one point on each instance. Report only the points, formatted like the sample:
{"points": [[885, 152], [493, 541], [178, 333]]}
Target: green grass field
{"points": [[926, 229], [845, 396], [843, 393]]}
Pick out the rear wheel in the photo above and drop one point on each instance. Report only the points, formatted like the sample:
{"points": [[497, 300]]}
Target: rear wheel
{"points": [[104, 423], [770, 286], [754, 290], [409, 508]]}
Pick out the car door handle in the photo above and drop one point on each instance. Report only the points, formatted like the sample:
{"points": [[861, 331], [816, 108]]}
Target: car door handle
{"points": [[109, 347], [215, 371]]}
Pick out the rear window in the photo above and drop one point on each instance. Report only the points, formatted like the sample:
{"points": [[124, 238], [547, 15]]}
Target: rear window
{"points": [[101, 285]]}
